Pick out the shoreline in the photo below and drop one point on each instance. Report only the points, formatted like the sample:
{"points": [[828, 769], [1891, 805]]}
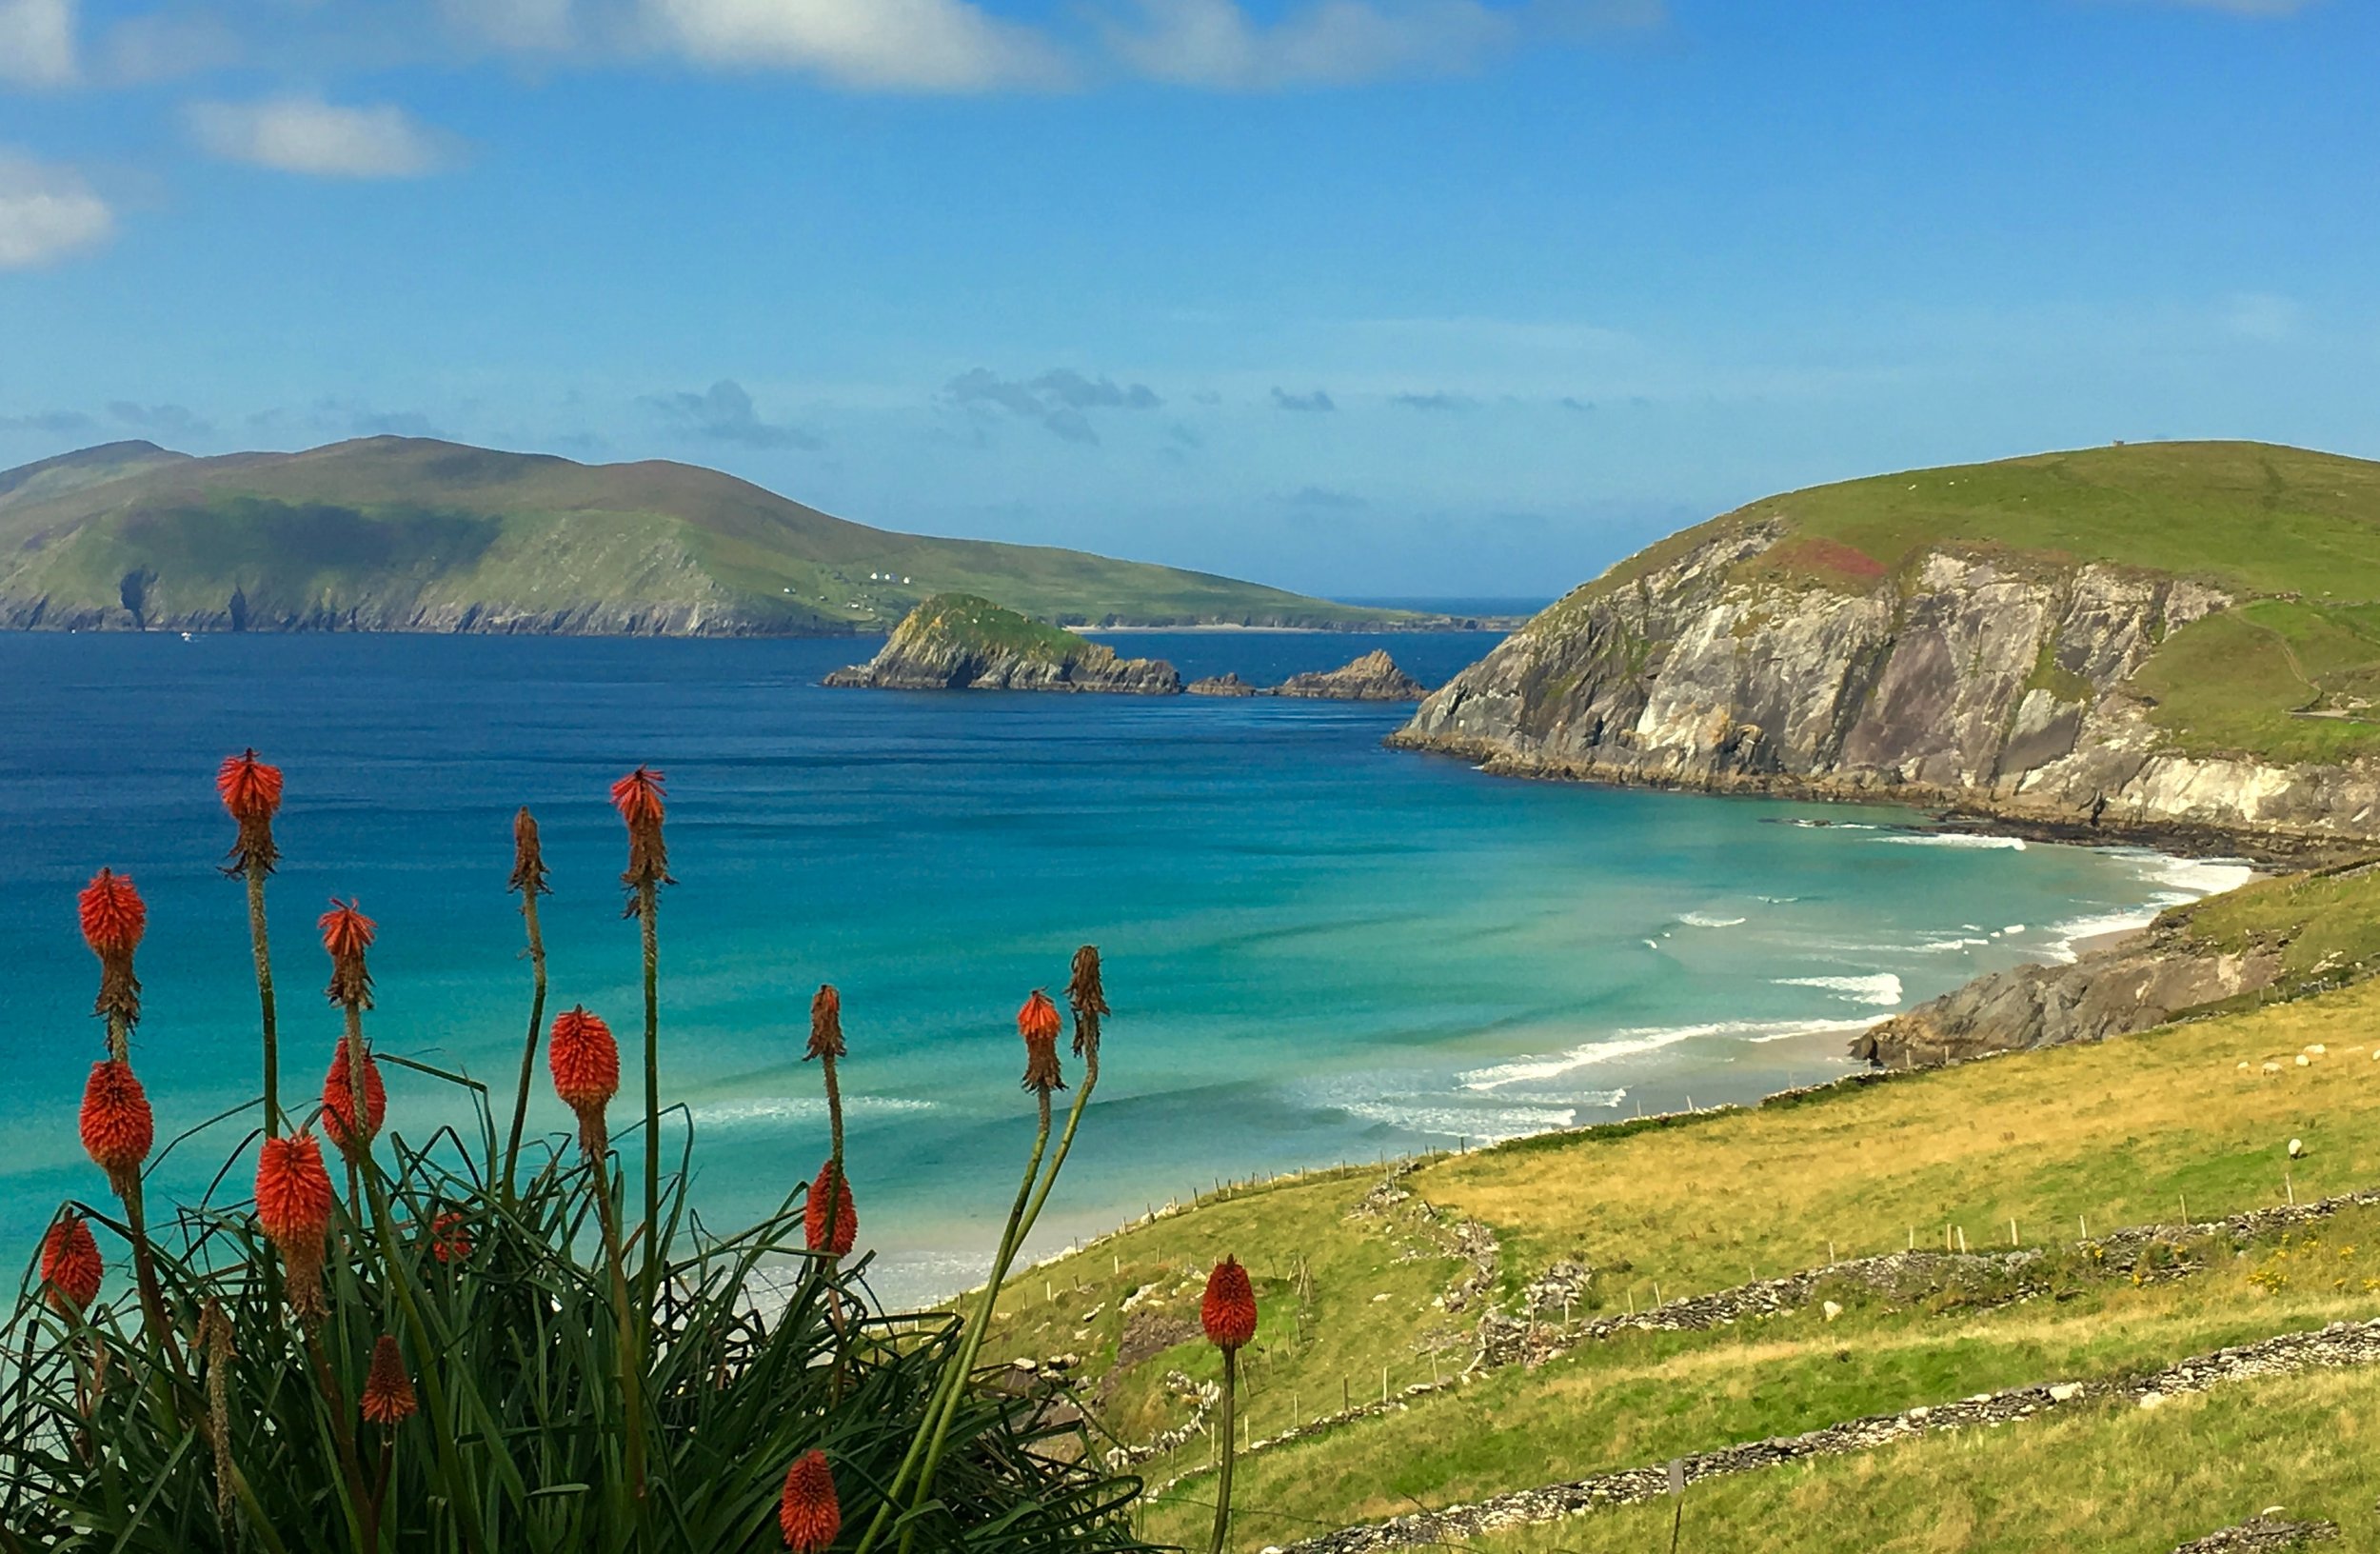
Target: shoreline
{"points": [[1953, 810]]}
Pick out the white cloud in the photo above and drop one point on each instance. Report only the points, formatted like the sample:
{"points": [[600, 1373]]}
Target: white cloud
{"points": [[47, 213], [305, 134], [886, 45], [37, 42], [165, 47], [1212, 43]]}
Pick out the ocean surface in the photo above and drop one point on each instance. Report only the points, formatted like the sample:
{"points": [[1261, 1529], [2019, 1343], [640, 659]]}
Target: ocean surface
{"points": [[1318, 950]]}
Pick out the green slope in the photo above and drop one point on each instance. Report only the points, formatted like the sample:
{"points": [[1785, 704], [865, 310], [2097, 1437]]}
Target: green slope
{"points": [[409, 534], [2293, 536]]}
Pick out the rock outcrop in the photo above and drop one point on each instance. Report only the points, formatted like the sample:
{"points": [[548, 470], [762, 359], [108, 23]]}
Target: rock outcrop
{"points": [[958, 642], [2141, 982], [1223, 684], [1984, 683], [1375, 677]]}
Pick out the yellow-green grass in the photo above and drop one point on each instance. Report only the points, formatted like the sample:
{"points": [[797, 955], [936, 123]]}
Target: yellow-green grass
{"points": [[2109, 1478], [1647, 1396], [2324, 926], [2121, 1133]]}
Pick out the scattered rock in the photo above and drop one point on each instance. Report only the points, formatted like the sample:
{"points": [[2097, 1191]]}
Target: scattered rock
{"points": [[1221, 685], [2260, 1533], [959, 642]]}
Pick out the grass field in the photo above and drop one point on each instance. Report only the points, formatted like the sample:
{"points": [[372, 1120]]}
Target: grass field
{"points": [[2125, 1134]]}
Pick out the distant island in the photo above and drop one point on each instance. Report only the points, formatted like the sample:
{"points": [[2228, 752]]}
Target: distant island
{"points": [[412, 534], [963, 642]]}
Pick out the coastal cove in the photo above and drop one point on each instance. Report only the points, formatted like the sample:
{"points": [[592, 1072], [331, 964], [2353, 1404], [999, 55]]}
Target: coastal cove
{"points": [[1318, 948]]}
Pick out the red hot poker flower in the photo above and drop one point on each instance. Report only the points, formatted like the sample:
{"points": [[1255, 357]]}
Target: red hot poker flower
{"points": [[585, 1063], [347, 934], [830, 1195], [387, 1391], [1228, 1310], [1038, 1023], [70, 1263], [825, 1023], [251, 793], [809, 1514], [640, 800], [113, 914], [339, 1099], [113, 918], [117, 1125], [449, 1237], [293, 1201]]}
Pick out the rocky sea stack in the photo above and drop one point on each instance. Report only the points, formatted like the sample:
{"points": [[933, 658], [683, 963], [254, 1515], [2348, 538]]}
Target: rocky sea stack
{"points": [[2174, 641], [1375, 677], [959, 642]]}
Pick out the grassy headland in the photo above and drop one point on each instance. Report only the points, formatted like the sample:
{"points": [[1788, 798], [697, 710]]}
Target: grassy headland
{"points": [[409, 534]]}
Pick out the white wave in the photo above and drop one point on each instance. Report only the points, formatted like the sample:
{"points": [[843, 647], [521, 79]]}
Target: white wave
{"points": [[2014, 928], [1636, 1040], [1834, 825], [1697, 920], [2068, 934], [1883, 989], [1486, 1124], [1776, 900], [2195, 877], [798, 1108], [1938, 947], [1955, 839]]}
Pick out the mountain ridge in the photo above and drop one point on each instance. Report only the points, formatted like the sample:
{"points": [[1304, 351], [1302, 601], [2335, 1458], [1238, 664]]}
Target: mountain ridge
{"points": [[393, 533]]}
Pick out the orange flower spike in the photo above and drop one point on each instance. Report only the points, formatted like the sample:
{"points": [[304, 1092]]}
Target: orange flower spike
{"points": [[832, 1188], [1228, 1310], [113, 919], [387, 1391], [449, 1237], [293, 1201], [641, 802], [293, 1193], [112, 913], [585, 1063], [347, 934], [808, 1513], [1038, 1023], [252, 795], [116, 1123], [70, 1264], [339, 1099]]}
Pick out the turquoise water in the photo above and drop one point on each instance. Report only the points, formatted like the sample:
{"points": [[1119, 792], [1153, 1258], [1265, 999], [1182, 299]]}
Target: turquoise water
{"points": [[1318, 950]]}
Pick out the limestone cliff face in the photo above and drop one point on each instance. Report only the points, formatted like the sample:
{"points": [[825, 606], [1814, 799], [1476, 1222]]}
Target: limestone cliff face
{"points": [[1979, 684]]}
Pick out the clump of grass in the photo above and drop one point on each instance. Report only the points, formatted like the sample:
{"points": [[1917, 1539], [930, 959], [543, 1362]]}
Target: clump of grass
{"points": [[460, 1355]]}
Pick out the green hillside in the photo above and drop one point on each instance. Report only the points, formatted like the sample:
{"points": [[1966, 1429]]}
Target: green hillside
{"points": [[2292, 536], [2043, 1195], [408, 533]]}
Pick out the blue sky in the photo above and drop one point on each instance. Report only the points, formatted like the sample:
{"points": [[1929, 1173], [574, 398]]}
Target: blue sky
{"points": [[1358, 297]]}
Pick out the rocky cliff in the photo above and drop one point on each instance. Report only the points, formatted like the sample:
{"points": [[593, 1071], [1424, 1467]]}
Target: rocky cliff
{"points": [[958, 642], [2145, 980], [1375, 677], [1748, 656]]}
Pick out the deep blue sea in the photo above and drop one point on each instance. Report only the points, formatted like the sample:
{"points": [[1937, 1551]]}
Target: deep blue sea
{"points": [[1317, 948]]}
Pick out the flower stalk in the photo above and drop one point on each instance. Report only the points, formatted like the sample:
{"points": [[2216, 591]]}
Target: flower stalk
{"points": [[250, 791], [1228, 1312], [642, 805], [528, 881]]}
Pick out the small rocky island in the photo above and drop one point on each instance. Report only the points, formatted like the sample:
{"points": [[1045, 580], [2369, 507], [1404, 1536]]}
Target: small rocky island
{"points": [[959, 642]]}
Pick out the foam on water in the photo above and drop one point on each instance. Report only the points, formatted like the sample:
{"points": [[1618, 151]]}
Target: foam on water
{"points": [[1957, 839], [1883, 989], [1629, 1043], [1702, 920]]}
